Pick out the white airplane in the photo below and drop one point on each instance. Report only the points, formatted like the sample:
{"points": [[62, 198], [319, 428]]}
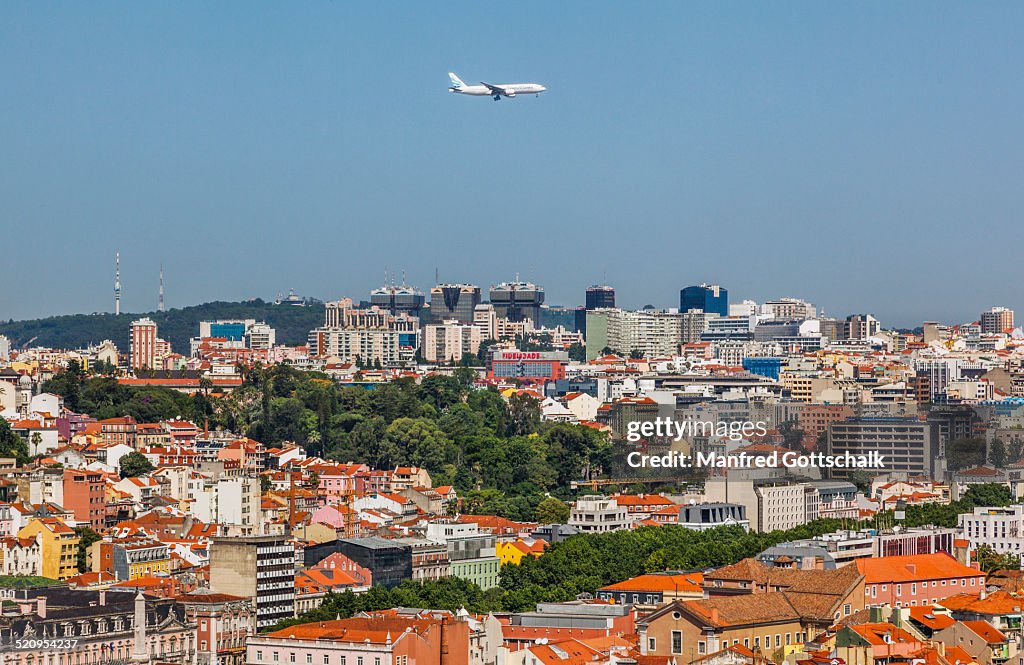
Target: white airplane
{"points": [[495, 91]]}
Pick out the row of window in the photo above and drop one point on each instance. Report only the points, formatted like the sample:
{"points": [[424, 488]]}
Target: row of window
{"points": [[275, 657], [873, 589], [702, 647]]}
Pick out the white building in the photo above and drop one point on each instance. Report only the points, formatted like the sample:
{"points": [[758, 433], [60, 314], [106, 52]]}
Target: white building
{"points": [[583, 405], [450, 340], [1002, 529], [599, 514], [769, 504]]}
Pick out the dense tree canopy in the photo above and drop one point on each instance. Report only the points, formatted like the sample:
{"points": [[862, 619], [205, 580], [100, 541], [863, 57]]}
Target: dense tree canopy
{"points": [[135, 464], [499, 454], [12, 445]]}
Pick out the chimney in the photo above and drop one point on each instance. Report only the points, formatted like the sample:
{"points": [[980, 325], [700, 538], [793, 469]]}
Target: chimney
{"points": [[983, 594], [714, 615], [103, 597], [41, 606], [445, 629], [912, 567]]}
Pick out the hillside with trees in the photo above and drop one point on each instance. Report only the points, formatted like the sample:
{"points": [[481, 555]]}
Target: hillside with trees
{"points": [[177, 326], [499, 455]]}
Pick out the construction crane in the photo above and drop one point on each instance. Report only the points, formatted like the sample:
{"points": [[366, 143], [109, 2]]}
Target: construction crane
{"points": [[599, 482]]}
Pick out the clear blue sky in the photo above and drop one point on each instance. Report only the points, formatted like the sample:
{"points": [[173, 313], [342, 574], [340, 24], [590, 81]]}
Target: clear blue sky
{"points": [[865, 156]]}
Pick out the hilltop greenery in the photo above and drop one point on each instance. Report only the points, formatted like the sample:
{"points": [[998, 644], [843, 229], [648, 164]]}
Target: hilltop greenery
{"points": [[177, 326], [499, 455]]}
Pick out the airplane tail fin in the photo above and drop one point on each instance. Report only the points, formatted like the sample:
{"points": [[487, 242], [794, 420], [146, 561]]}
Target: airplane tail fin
{"points": [[456, 81]]}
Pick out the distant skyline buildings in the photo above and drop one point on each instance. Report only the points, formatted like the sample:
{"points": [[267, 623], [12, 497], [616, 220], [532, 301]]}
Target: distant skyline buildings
{"points": [[517, 301], [709, 298], [406, 298], [599, 297]]}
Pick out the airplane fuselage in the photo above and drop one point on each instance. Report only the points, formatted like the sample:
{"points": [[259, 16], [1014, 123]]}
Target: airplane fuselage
{"points": [[508, 89]]}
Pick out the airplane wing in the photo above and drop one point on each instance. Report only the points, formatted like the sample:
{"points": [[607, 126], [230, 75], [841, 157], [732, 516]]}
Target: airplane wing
{"points": [[497, 90]]}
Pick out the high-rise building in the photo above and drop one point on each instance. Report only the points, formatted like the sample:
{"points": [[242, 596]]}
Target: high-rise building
{"points": [[788, 308], [371, 335], [454, 301], [397, 299], [449, 341], [143, 344], [259, 568], [710, 298], [861, 326], [908, 445], [650, 332], [517, 301], [600, 297], [996, 320]]}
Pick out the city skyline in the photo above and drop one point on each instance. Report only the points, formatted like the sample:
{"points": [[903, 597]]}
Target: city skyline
{"points": [[848, 154], [630, 302]]}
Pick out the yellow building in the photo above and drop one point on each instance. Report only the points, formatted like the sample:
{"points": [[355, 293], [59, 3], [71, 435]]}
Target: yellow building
{"points": [[59, 546], [131, 558], [515, 551]]}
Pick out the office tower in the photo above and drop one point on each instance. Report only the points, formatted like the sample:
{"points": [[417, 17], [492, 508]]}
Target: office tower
{"points": [[909, 445], [260, 568], [454, 301], [996, 320], [396, 299], [517, 301], [710, 298], [600, 297], [143, 343]]}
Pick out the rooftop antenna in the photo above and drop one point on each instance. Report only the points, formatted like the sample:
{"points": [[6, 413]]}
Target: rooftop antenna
{"points": [[117, 283], [385, 276], [403, 279], [437, 276], [160, 306]]}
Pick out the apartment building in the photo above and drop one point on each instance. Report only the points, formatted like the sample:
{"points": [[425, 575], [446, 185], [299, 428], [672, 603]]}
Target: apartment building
{"points": [[918, 580], [599, 514], [1002, 529], [907, 444]]}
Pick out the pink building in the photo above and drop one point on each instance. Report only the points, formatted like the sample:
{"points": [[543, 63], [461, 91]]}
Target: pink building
{"points": [[919, 580]]}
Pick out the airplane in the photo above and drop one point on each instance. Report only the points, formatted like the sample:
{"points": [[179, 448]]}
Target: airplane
{"points": [[495, 91]]}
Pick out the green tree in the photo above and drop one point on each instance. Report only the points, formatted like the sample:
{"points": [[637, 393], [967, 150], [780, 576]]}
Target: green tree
{"points": [[135, 464], [862, 479], [420, 442], [552, 511], [997, 453], [86, 537], [1016, 449], [991, 561], [524, 414], [792, 435], [965, 453], [577, 352], [12, 445]]}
